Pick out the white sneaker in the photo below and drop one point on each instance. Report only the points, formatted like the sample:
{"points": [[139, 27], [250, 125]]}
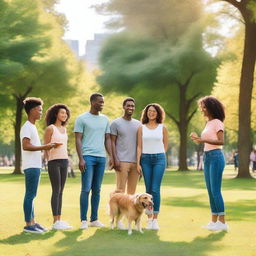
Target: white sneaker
{"points": [[210, 225], [61, 225], [64, 223], [121, 226], [149, 224], [155, 225], [219, 226], [84, 224], [97, 224]]}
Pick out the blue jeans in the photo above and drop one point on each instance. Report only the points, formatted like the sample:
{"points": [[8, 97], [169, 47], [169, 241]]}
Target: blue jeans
{"points": [[32, 177], [153, 167], [91, 180], [214, 164]]}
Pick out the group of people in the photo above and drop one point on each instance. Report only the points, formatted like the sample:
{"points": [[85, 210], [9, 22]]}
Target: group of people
{"points": [[135, 148]]}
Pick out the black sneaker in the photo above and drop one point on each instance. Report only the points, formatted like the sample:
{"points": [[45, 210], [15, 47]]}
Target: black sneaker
{"points": [[32, 229], [38, 226]]}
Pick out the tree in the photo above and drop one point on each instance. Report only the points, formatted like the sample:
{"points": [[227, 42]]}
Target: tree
{"points": [[248, 12], [227, 88], [27, 64], [149, 70], [159, 57]]}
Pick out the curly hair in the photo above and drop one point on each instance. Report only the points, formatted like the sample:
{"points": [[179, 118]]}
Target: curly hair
{"points": [[160, 113], [52, 112], [214, 107], [31, 102]]}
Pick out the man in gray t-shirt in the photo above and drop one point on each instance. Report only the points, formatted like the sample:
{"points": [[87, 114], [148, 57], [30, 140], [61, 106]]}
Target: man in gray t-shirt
{"points": [[124, 144]]}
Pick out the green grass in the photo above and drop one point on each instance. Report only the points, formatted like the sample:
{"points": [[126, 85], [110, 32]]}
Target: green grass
{"points": [[184, 210]]}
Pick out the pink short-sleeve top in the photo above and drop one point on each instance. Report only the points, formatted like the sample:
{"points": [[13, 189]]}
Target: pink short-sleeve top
{"points": [[210, 132], [60, 152]]}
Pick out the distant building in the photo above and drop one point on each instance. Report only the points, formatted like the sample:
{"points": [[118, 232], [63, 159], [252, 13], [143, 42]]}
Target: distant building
{"points": [[74, 46], [92, 50]]}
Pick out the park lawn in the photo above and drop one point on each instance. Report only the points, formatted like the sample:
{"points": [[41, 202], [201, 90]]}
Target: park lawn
{"points": [[184, 210]]}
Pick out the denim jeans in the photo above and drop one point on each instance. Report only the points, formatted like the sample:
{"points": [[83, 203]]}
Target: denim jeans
{"points": [[32, 177], [214, 164], [153, 167], [91, 181]]}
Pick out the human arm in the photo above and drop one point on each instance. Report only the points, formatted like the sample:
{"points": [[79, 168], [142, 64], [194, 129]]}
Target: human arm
{"points": [[139, 149], [115, 158], [165, 139], [82, 164], [218, 141], [109, 149], [47, 139], [27, 146]]}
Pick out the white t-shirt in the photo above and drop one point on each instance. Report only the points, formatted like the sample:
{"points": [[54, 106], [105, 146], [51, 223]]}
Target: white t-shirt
{"points": [[30, 159]]}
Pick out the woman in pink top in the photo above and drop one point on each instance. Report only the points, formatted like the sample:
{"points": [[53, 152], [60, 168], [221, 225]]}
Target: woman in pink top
{"points": [[56, 120], [214, 162]]}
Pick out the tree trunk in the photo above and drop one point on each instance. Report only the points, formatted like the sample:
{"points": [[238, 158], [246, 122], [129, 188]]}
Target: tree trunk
{"points": [[245, 97], [17, 126], [183, 130]]}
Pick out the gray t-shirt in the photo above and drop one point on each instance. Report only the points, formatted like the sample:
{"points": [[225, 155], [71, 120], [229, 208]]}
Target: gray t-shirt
{"points": [[126, 142]]}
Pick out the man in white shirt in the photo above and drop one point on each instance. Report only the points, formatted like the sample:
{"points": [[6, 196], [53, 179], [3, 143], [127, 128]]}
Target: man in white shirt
{"points": [[31, 160]]}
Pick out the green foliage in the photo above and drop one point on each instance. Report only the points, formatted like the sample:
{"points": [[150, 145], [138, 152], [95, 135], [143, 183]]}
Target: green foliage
{"points": [[154, 68]]}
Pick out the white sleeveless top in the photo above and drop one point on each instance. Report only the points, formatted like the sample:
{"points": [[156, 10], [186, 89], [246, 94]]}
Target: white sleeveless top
{"points": [[152, 140]]}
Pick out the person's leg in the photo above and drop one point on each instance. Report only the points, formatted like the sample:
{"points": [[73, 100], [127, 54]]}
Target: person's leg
{"points": [[96, 186], [147, 171], [133, 177], [121, 176], [158, 172], [216, 171], [32, 177], [207, 165], [63, 178], [86, 180], [55, 178]]}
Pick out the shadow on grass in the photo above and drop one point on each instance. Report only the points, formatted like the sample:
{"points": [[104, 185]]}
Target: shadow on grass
{"points": [[189, 179], [242, 210], [23, 238], [106, 242], [192, 201]]}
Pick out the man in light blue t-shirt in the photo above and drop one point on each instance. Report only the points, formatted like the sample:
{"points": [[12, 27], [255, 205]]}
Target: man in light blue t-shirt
{"points": [[92, 133]]}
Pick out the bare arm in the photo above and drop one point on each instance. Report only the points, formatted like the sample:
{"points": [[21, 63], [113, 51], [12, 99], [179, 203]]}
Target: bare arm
{"points": [[109, 149], [82, 164], [139, 149], [115, 158], [47, 139], [219, 141], [27, 146], [165, 139]]}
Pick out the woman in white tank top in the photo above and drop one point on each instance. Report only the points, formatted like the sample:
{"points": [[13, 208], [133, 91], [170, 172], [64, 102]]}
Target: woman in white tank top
{"points": [[56, 120], [151, 160]]}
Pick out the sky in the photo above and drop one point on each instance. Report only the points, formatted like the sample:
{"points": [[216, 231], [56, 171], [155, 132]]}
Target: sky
{"points": [[83, 21]]}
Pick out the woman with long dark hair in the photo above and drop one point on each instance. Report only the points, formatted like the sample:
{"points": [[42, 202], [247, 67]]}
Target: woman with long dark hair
{"points": [[56, 120], [151, 161], [213, 138]]}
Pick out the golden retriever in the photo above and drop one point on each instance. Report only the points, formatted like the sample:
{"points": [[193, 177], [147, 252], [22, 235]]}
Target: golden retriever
{"points": [[131, 206]]}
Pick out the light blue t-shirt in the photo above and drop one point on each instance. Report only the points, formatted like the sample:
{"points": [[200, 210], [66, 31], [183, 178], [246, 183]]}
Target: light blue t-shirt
{"points": [[93, 128]]}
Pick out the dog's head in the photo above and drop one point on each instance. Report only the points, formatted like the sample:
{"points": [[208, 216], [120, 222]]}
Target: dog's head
{"points": [[144, 200]]}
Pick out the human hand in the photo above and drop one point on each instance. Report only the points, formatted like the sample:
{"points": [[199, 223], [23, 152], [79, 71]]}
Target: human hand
{"points": [[117, 165], [82, 165], [139, 169], [110, 163]]}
